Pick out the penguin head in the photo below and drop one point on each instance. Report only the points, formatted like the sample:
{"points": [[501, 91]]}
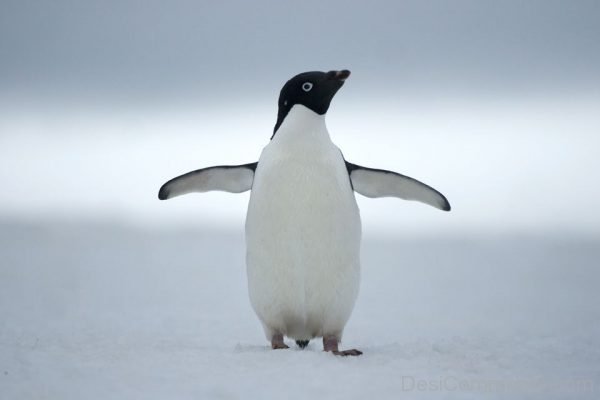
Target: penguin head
{"points": [[314, 90]]}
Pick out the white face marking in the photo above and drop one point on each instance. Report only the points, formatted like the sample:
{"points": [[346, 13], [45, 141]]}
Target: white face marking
{"points": [[307, 86]]}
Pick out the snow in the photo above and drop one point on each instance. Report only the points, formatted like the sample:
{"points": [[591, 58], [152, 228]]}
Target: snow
{"points": [[107, 311]]}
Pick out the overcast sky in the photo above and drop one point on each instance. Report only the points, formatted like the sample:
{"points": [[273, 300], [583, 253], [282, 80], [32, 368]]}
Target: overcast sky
{"points": [[208, 49], [494, 103]]}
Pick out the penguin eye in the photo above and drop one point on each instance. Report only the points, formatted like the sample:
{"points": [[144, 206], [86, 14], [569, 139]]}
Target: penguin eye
{"points": [[307, 86]]}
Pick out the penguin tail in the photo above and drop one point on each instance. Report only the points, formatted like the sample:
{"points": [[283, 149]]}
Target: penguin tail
{"points": [[302, 343]]}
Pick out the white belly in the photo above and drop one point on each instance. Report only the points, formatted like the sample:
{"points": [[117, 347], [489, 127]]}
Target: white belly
{"points": [[303, 239]]}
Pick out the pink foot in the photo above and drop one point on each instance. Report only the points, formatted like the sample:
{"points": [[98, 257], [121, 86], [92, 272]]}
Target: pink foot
{"points": [[330, 343], [350, 352], [277, 342]]}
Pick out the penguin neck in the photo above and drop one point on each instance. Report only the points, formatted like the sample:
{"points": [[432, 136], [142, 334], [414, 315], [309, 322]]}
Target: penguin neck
{"points": [[302, 124]]}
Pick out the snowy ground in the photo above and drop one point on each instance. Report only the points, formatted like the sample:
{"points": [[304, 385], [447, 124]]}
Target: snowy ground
{"points": [[97, 312]]}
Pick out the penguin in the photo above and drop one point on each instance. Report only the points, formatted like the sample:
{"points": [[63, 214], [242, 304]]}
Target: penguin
{"points": [[303, 226]]}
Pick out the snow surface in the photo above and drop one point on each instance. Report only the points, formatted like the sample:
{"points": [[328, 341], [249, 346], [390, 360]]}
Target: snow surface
{"points": [[102, 311]]}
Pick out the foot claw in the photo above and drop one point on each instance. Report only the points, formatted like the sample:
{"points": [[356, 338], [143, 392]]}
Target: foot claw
{"points": [[277, 346], [350, 352]]}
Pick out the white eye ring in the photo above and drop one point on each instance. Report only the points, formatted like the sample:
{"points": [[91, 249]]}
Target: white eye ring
{"points": [[307, 86]]}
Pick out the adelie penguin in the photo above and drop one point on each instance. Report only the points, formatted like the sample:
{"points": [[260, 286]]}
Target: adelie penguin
{"points": [[303, 226]]}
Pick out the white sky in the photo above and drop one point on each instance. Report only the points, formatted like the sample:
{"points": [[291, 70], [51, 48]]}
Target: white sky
{"points": [[524, 165], [495, 104]]}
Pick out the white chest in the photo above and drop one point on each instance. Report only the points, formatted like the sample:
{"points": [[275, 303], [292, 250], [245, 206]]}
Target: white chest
{"points": [[301, 181], [302, 230]]}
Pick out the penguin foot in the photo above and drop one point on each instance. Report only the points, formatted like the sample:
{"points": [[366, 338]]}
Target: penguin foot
{"points": [[330, 343], [277, 342], [351, 352], [302, 343]]}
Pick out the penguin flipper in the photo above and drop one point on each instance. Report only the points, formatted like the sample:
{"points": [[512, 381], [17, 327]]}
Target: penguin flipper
{"points": [[225, 178], [375, 183]]}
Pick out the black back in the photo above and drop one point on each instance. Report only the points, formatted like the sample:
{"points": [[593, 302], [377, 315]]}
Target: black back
{"points": [[314, 90]]}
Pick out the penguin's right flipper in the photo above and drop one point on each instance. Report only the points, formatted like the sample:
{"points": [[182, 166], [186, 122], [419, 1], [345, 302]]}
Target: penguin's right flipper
{"points": [[374, 183], [225, 178]]}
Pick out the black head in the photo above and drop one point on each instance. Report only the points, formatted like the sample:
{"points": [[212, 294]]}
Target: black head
{"points": [[314, 90]]}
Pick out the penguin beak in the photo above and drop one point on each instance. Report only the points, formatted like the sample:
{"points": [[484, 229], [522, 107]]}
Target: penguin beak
{"points": [[338, 75]]}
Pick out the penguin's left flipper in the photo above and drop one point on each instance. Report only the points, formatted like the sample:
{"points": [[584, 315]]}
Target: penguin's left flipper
{"points": [[225, 178], [374, 183]]}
